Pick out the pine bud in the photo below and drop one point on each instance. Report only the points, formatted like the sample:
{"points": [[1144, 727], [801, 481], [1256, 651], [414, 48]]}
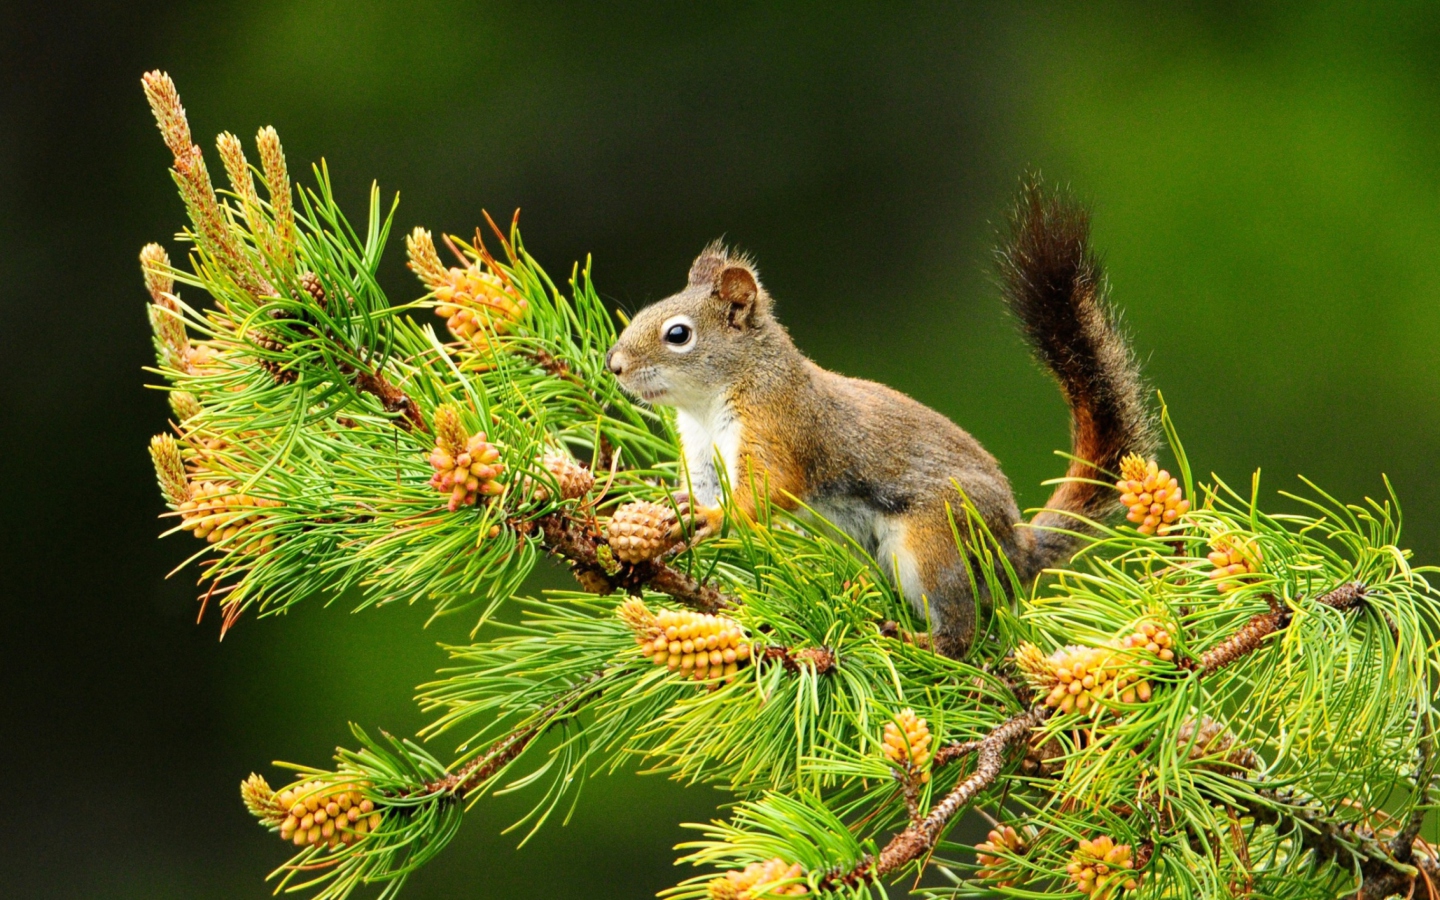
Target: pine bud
{"points": [[242, 182], [169, 114], [172, 344], [261, 801], [1078, 678], [214, 230], [1232, 559], [1154, 499], [741, 885], [277, 182], [475, 303], [216, 512], [574, 480], [155, 265], [641, 531], [184, 405], [697, 645], [993, 854], [315, 813], [169, 470], [1101, 868], [1152, 638], [906, 743], [465, 467]]}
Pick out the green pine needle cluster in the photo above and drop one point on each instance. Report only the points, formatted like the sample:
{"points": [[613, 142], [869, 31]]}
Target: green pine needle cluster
{"points": [[1283, 748]]}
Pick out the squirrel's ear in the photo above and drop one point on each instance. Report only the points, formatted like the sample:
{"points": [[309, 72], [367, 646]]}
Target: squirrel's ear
{"points": [[708, 264], [736, 285]]}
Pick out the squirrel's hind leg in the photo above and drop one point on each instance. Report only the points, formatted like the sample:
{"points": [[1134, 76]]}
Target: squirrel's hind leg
{"points": [[920, 556]]}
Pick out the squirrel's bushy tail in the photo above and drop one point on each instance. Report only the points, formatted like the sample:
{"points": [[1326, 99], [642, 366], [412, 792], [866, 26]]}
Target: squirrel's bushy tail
{"points": [[1054, 285]]}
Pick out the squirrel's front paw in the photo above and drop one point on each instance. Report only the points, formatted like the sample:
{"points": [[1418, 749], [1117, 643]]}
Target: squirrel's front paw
{"points": [[698, 522]]}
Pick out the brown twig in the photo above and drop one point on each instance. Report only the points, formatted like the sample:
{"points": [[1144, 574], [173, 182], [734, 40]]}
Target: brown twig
{"points": [[557, 368], [918, 839], [478, 770], [1253, 633], [956, 750], [392, 398]]}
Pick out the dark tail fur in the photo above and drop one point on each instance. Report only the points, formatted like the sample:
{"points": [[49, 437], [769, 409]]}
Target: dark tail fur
{"points": [[1054, 285]]}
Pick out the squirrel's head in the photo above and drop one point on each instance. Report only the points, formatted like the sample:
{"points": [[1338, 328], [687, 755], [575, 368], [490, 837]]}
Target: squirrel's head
{"points": [[684, 350]]}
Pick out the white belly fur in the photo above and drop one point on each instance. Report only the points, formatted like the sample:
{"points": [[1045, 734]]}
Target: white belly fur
{"points": [[883, 537], [714, 431]]}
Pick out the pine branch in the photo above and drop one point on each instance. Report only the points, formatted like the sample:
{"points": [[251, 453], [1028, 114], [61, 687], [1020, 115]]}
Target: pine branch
{"points": [[326, 439], [503, 751], [820, 659], [919, 839], [1253, 633], [1382, 870]]}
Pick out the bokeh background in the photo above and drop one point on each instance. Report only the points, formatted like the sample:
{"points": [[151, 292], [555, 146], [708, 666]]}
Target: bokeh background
{"points": [[1266, 181]]}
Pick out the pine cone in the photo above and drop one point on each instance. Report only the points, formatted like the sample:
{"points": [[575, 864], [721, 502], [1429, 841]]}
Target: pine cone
{"points": [[907, 743], [1208, 741], [1101, 868], [318, 813], [641, 531], [574, 479], [274, 368], [1155, 500], [310, 282], [697, 645], [737, 885]]}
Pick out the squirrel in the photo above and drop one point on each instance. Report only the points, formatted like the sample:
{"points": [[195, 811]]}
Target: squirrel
{"points": [[877, 464]]}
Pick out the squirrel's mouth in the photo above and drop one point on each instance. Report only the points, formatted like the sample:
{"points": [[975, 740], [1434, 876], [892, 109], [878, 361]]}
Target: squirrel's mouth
{"points": [[645, 384]]}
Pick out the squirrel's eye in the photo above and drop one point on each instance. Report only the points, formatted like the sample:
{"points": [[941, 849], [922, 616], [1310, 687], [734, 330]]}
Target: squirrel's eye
{"points": [[678, 334]]}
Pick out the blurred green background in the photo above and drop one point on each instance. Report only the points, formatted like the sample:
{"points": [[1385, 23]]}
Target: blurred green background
{"points": [[1265, 184]]}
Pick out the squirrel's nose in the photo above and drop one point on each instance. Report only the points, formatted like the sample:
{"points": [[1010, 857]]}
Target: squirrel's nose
{"points": [[615, 361]]}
